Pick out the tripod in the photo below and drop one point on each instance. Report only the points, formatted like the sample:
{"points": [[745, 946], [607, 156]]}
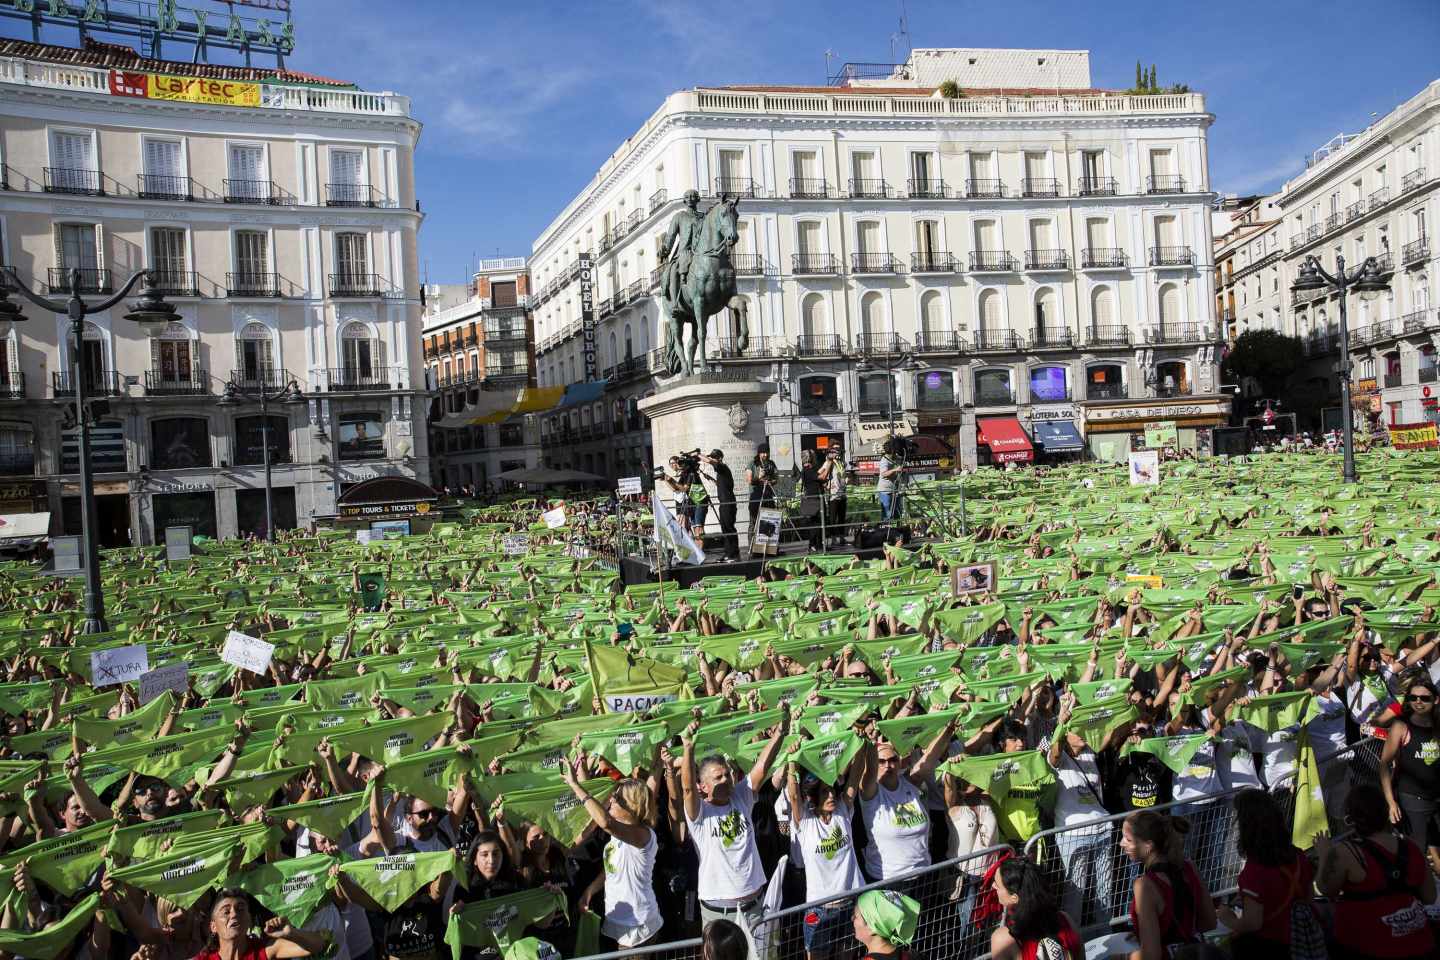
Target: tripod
{"points": [[770, 499]]}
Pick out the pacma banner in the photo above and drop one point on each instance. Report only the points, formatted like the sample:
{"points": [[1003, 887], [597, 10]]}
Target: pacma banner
{"points": [[159, 86], [1414, 436]]}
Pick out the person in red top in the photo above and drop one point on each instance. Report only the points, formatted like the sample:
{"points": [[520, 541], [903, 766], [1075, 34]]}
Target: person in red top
{"points": [[1275, 881], [230, 937], [1380, 882], [1035, 928], [1169, 904]]}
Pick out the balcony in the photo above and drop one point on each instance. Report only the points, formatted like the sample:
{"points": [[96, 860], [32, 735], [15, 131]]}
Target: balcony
{"points": [[658, 199], [746, 265], [98, 383], [1385, 262], [606, 241], [1103, 258], [1416, 251], [1172, 257], [1417, 321], [868, 189], [1412, 180], [156, 186], [175, 283], [811, 264], [1359, 336], [633, 221], [819, 406], [263, 378], [504, 333], [1047, 260], [933, 261], [1039, 187], [176, 383], [734, 187], [1378, 199], [997, 341], [92, 280], [1176, 333], [1167, 392], [251, 191], [1108, 337], [728, 348], [938, 341], [873, 263], [506, 371], [926, 189], [1392, 379], [882, 344], [351, 195], [1106, 391], [1165, 183], [1098, 187], [985, 189], [1355, 211], [12, 385], [993, 397], [818, 345], [75, 180], [991, 261], [1052, 340], [1331, 222], [359, 379], [249, 284], [1427, 374], [358, 285], [809, 188]]}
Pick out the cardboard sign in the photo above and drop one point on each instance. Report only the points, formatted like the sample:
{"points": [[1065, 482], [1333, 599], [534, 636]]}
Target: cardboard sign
{"points": [[975, 578], [172, 676], [67, 554], [1162, 434], [554, 519], [118, 665], [514, 544], [1146, 580], [247, 653], [177, 544], [628, 487], [767, 532], [1144, 468]]}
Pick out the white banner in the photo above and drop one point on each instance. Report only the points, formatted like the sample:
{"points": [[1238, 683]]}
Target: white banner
{"points": [[628, 487], [118, 665], [172, 676], [247, 653], [514, 544], [554, 519], [1144, 468], [672, 536]]}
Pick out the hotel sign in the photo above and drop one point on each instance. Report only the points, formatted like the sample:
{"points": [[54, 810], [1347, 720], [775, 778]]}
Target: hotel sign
{"points": [[587, 312]]}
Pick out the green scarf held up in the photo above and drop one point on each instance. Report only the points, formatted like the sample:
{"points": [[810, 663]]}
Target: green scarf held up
{"points": [[392, 880], [392, 740], [430, 775], [1094, 723], [254, 787], [555, 809], [1175, 752], [999, 773], [627, 747], [496, 922], [825, 719], [328, 816], [165, 757], [828, 756], [1277, 711], [144, 840], [293, 889], [184, 877], [142, 724], [909, 733], [51, 942], [65, 863]]}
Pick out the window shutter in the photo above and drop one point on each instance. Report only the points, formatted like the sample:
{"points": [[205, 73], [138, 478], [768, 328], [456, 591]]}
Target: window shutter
{"points": [[99, 246], [58, 231]]}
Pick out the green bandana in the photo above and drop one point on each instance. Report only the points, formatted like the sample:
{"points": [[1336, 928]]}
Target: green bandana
{"points": [[66, 862], [182, 878], [391, 740], [555, 809], [890, 914], [329, 816], [292, 889], [55, 939], [144, 840], [828, 757], [999, 773], [392, 880], [497, 922], [142, 724], [1175, 752]]}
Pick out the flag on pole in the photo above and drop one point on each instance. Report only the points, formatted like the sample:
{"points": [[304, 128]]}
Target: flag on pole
{"points": [[1311, 819], [672, 536]]}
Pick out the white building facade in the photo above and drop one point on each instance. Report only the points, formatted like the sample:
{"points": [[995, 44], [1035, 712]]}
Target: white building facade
{"points": [[1038, 258]]}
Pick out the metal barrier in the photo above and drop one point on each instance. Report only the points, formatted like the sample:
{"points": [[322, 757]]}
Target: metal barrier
{"points": [[680, 950]]}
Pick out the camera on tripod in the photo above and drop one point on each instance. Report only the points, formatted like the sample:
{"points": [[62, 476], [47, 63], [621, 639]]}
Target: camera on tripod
{"points": [[689, 461], [899, 448]]}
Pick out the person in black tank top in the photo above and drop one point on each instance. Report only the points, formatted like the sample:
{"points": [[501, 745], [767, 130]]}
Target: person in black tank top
{"points": [[1410, 768]]}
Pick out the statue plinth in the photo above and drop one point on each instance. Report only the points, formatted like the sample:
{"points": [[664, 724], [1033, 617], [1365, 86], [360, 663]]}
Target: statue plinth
{"points": [[695, 412]]}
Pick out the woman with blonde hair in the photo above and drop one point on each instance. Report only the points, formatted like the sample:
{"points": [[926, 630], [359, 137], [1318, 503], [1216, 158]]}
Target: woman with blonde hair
{"points": [[632, 912]]}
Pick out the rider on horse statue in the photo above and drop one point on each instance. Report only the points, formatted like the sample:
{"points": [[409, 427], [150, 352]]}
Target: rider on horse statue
{"points": [[697, 280]]}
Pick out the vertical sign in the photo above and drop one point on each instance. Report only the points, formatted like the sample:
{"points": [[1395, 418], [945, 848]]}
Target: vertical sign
{"points": [[587, 311]]}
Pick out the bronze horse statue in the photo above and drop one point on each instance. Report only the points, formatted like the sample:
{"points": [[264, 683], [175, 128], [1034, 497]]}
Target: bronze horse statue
{"points": [[709, 287]]}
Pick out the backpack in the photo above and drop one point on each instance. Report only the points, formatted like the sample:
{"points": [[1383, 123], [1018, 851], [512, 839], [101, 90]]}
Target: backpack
{"points": [[1307, 936]]}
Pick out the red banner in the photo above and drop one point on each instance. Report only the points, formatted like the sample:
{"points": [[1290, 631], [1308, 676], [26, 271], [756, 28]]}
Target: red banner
{"points": [[1414, 436]]}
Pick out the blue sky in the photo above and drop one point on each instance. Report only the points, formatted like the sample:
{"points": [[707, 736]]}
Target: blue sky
{"points": [[522, 101]]}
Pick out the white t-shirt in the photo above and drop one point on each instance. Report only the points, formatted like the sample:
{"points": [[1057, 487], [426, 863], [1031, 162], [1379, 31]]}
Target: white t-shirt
{"points": [[971, 828], [1327, 728], [1201, 776], [831, 869], [1280, 753], [1077, 798], [787, 827], [899, 829], [1235, 758], [632, 914], [327, 917], [1364, 704], [724, 838]]}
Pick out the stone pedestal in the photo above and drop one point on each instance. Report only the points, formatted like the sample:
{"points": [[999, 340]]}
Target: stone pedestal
{"points": [[699, 412]]}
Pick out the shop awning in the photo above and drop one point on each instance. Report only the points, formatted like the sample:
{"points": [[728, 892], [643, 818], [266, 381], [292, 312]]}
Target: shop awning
{"points": [[1058, 436], [1005, 438], [577, 394], [16, 526]]}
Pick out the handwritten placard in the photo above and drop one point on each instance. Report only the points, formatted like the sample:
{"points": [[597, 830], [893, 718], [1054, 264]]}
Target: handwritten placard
{"points": [[247, 653], [118, 665], [172, 676]]}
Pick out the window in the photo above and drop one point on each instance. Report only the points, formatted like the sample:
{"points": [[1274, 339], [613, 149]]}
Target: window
{"points": [[732, 171], [872, 316], [1105, 381], [360, 353], [72, 163], [878, 393], [812, 316], [179, 443], [991, 318], [927, 238], [77, 246], [250, 442], [987, 236], [255, 354], [1048, 327], [1037, 167], [347, 177], [808, 238], [168, 260], [1167, 233], [864, 168], [171, 356], [982, 167], [17, 449], [252, 257], [867, 237], [1049, 384], [920, 172], [164, 178], [992, 388], [502, 294], [1042, 235], [806, 164], [1172, 379], [352, 261], [249, 179], [1097, 233], [1092, 165], [935, 390], [819, 395], [362, 436], [511, 435], [1162, 165], [1169, 302], [932, 312]]}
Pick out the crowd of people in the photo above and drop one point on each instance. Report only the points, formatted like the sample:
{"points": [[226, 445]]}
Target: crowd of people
{"points": [[439, 745]]}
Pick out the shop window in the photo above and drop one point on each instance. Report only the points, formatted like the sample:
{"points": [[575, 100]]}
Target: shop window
{"points": [[819, 395], [935, 390], [179, 443], [992, 388], [249, 440], [1049, 384]]}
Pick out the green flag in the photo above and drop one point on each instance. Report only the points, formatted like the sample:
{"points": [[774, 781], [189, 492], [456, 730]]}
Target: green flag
{"points": [[329, 816], [142, 724], [626, 683], [1175, 752], [392, 880], [430, 775], [1311, 819], [496, 922], [999, 773], [144, 840], [292, 888], [184, 877], [555, 809], [391, 740], [907, 733], [51, 942]]}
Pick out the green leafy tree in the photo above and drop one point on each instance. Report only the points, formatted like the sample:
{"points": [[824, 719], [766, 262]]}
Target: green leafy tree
{"points": [[950, 90], [1153, 85], [1139, 76], [1266, 356]]}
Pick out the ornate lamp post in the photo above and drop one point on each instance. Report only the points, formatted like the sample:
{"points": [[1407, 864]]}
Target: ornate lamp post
{"points": [[890, 362], [1369, 284], [153, 314], [289, 395]]}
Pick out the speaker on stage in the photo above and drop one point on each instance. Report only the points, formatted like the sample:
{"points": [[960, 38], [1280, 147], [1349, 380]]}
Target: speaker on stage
{"points": [[871, 538]]}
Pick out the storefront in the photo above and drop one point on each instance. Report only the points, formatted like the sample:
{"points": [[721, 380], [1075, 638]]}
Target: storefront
{"points": [[1054, 430], [383, 500], [250, 510], [1112, 430], [23, 496], [1002, 440], [194, 509]]}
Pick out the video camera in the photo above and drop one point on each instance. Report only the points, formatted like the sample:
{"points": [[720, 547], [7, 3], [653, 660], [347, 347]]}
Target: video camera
{"points": [[899, 448], [689, 461]]}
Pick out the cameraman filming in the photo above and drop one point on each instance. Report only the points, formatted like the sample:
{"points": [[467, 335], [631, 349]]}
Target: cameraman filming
{"points": [[832, 475], [890, 468], [725, 503], [761, 475], [692, 500]]}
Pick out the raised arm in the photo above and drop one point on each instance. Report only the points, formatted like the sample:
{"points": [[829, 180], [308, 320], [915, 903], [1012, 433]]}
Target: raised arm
{"points": [[689, 794], [933, 753], [761, 770]]}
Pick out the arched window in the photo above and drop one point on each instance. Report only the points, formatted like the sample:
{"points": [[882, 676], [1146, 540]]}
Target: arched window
{"points": [[932, 312], [629, 345], [1105, 381], [812, 316], [1050, 384], [992, 388], [992, 319], [1102, 316], [614, 348], [1048, 328], [179, 443], [92, 358], [645, 336], [1172, 379], [819, 395], [872, 318], [361, 354], [1169, 301]]}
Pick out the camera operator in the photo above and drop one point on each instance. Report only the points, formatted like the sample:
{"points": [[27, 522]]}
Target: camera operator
{"points": [[890, 468], [692, 500], [761, 475], [832, 475], [811, 488], [725, 503]]}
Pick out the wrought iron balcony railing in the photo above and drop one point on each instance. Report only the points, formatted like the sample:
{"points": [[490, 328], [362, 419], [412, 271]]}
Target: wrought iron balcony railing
{"points": [[1099, 187], [1165, 183], [933, 261], [1047, 260], [245, 283], [814, 263], [1172, 257], [869, 189], [809, 188], [160, 186], [251, 191], [991, 261], [1103, 258], [984, 189], [93, 280], [1040, 187], [77, 180], [873, 263], [351, 195], [174, 383]]}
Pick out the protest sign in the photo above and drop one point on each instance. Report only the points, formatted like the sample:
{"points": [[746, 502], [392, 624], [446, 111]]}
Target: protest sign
{"points": [[1144, 468], [172, 676], [118, 665], [1162, 434], [554, 519], [177, 544], [247, 653], [767, 533], [628, 487], [975, 578], [515, 544]]}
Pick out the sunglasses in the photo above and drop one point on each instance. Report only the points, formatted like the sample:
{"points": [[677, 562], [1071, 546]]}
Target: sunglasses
{"points": [[430, 814], [1420, 698]]}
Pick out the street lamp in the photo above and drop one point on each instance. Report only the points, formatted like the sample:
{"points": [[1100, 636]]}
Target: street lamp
{"points": [[290, 396], [153, 314], [1369, 284]]}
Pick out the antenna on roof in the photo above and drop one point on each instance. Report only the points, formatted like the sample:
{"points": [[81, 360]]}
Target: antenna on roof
{"points": [[829, 55], [902, 35]]}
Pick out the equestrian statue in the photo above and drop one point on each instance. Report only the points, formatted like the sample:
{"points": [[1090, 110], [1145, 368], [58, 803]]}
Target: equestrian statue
{"points": [[697, 279]]}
